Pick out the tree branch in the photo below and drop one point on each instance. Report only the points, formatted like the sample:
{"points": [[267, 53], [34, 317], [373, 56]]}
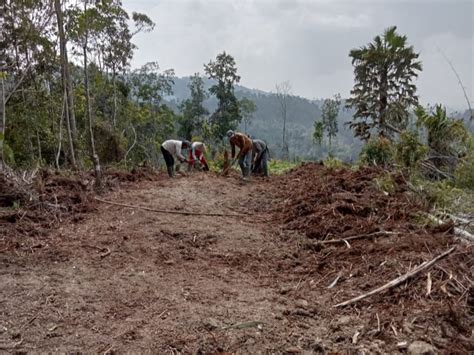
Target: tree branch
{"points": [[398, 280]]}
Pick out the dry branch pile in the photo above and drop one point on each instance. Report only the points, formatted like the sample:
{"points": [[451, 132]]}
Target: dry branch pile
{"points": [[370, 245], [327, 203]]}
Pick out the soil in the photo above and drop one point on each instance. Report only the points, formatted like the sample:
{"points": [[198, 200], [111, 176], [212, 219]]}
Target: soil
{"points": [[79, 275]]}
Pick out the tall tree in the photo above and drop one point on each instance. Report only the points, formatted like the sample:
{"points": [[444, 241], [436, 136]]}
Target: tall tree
{"points": [[115, 44], [192, 109], [2, 121], [26, 66], [247, 108], [153, 121], [328, 121], [383, 91], [88, 24], [67, 84], [283, 91], [227, 115]]}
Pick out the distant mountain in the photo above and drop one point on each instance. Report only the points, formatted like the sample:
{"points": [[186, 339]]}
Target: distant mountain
{"points": [[267, 122]]}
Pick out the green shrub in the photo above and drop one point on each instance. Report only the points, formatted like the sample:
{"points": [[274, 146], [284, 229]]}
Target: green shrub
{"points": [[409, 150], [333, 163], [386, 183], [377, 151], [111, 146]]}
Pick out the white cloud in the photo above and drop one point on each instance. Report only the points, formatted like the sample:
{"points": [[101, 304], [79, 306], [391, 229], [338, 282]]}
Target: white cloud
{"points": [[307, 42]]}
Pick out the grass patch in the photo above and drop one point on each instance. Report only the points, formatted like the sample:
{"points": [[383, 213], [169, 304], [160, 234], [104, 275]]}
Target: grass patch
{"points": [[333, 163], [279, 167]]}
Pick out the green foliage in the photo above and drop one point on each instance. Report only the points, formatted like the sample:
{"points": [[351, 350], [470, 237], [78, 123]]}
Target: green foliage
{"points": [[112, 145], [441, 194], [318, 132], [227, 115], [328, 122], [386, 183], [217, 164], [377, 151], [247, 109], [383, 91], [192, 109], [148, 85], [409, 150], [333, 163], [465, 170], [445, 136], [279, 167], [8, 155]]}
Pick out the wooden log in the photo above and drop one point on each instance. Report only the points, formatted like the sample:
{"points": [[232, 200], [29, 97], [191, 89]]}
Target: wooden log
{"points": [[457, 231]]}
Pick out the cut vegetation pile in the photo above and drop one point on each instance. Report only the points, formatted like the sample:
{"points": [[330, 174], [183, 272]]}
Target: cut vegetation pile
{"points": [[355, 237], [259, 267], [326, 203], [33, 205]]}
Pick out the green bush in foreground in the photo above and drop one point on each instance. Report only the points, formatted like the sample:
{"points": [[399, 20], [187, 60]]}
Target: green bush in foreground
{"points": [[377, 151], [409, 150]]}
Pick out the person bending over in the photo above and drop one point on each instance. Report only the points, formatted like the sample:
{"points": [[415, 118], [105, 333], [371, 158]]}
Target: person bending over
{"points": [[259, 157], [171, 149], [196, 154], [245, 151]]}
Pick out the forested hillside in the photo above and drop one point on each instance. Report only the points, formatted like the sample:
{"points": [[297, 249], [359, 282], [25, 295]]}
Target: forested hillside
{"points": [[266, 122]]}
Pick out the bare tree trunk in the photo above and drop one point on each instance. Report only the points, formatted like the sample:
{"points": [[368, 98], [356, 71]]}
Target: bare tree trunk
{"points": [[114, 112], [38, 142], [60, 138], [2, 125], [283, 91], [70, 116], [384, 104], [94, 156], [330, 147]]}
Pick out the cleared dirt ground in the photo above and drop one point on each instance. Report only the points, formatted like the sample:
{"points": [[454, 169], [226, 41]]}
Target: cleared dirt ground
{"points": [[116, 279]]}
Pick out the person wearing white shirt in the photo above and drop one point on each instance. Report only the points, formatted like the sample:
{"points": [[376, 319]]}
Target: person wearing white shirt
{"points": [[171, 149]]}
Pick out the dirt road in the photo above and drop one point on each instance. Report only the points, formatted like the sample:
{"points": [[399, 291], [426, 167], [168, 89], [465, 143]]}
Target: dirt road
{"points": [[169, 284], [130, 280]]}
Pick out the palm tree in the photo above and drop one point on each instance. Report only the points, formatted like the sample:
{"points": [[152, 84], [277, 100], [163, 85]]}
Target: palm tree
{"points": [[383, 91], [446, 137]]}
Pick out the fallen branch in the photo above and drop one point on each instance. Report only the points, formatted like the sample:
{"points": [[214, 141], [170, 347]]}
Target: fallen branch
{"points": [[171, 211], [457, 231], [398, 280], [344, 240]]}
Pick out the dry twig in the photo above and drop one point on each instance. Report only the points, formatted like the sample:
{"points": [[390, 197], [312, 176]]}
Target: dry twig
{"points": [[170, 211], [344, 240], [398, 280]]}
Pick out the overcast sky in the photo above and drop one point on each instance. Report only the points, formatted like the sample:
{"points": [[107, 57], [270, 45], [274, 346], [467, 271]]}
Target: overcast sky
{"points": [[307, 42]]}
